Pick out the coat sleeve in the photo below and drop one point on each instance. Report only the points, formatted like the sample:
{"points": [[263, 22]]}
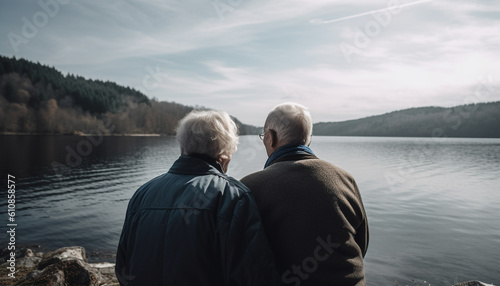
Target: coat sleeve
{"points": [[363, 236], [362, 233], [247, 256], [121, 256]]}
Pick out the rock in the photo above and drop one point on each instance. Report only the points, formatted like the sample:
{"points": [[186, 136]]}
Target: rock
{"points": [[33, 275], [5, 252], [29, 253], [64, 266], [107, 271], [28, 261], [74, 252], [69, 271], [22, 251], [473, 283]]}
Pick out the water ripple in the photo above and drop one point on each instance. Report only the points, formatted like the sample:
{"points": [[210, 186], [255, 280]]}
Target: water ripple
{"points": [[432, 206]]}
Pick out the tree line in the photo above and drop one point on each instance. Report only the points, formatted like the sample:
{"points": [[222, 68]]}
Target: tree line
{"points": [[480, 120], [36, 98]]}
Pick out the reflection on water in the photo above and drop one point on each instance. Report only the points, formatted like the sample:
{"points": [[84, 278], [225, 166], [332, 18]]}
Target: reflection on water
{"points": [[433, 206]]}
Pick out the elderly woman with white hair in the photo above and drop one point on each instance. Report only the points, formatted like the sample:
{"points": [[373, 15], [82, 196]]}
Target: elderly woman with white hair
{"points": [[195, 225]]}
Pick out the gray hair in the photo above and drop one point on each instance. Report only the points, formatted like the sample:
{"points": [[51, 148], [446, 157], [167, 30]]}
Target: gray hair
{"points": [[292, 123], [211, 133]]}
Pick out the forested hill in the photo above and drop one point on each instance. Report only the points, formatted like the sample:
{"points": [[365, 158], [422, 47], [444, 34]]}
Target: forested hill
{"points": [[39, 99], [36, 98], [474, 120]]}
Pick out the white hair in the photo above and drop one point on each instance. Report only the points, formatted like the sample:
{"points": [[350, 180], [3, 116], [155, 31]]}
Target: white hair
{"points": [[211, 133], [292, 123]]}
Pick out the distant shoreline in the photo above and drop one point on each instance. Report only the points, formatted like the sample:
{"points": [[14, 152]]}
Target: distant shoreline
{"points": [[85, 134]]}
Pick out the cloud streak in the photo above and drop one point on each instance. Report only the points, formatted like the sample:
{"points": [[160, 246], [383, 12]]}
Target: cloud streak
{"points": [[390, 8]]}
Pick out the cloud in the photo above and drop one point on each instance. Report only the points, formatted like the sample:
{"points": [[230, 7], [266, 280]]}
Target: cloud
{"points": [[254, 54]]}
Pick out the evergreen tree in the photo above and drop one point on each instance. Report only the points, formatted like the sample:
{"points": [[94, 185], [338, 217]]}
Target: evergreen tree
{"points": [[9, 92]]}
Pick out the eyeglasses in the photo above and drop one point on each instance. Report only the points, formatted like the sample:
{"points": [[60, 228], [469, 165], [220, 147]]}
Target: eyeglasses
{"points": [[261, 135]]}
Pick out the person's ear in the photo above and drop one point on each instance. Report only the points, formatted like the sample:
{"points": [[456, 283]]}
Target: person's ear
{"points": [[310, 139], [224, 162], [274, 138]]}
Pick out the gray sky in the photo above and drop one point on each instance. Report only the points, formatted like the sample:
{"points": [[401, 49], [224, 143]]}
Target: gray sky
{"points": [[246, 56]]}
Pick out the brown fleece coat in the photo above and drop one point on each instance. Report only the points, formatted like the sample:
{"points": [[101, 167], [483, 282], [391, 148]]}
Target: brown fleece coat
{"points": [[315, 220]]}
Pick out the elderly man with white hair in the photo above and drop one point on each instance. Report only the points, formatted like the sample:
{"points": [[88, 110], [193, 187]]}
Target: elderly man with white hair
{"points": [[195, 225], [311, 210]]}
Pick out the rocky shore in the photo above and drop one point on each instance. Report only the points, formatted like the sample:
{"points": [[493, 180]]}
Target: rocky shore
{"points": [[64, 266], [69, 266]]}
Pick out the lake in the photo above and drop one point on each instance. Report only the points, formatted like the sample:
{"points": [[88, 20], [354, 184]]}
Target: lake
{"points": [[433, 205]]}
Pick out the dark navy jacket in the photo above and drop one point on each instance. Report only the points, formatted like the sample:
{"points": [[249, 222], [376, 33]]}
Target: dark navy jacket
{"points": [[194, 226]]}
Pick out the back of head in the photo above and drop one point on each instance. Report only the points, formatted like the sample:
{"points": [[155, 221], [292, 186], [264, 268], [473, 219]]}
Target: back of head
{"points": [[210, 133], [292, 123]]}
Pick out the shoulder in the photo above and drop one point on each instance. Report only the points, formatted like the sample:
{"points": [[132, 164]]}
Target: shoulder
{"points": [[306, 167], [151, 184], [235, 196], [325, 166], [263, 175], [234, 185]]}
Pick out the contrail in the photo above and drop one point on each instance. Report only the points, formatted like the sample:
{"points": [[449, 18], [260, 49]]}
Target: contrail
{"points": [[318, 21]]}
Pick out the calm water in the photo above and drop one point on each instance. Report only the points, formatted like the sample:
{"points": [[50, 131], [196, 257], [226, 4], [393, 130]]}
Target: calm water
{"points": [[433, 206]]}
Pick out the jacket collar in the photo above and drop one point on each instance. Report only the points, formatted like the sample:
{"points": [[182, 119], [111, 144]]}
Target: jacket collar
{"points": [[196, 164], [286, 151]]}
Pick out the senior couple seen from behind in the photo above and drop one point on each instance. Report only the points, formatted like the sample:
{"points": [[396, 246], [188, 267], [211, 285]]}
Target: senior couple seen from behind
{"points": [[299, 221]]}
